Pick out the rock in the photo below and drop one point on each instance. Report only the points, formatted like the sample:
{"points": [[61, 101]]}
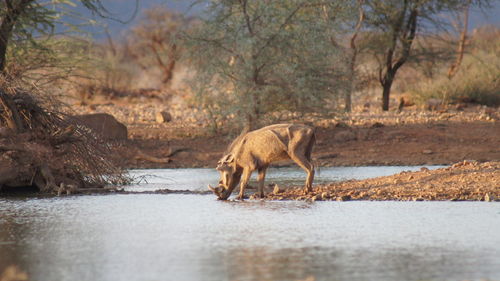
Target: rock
{"points": [[488, 198], [163, 117], [427, 151], [325, 196], [277, 190], [434, 104], [465, 163], [344, 198], [104, 125], [316, 197], [341, 125], [344, 136]]}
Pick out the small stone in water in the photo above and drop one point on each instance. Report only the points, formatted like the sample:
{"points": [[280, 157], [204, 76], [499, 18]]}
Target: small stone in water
{"points": [[277, 189]]}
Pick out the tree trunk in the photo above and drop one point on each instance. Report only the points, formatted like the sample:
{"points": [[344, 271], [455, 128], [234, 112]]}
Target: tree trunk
{"points": [[385, 94], [392, 65], [12, 13], [461, 44], [352, 65], [168, 70]]}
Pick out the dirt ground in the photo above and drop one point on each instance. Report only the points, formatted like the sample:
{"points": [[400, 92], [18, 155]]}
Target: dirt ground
{"points": [[359, 139], [463, 181], [338, 144]]}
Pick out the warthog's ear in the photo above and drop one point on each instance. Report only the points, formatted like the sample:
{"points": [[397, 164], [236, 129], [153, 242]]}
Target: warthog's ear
{"points": [[229, 158], [224, 161]]}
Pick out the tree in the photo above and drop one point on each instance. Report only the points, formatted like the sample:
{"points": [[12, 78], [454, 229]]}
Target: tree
{"points": [[396, 25], [154, 40], [461, 44], [257, 57], [67, 156], [354, 54], [23, 20]]}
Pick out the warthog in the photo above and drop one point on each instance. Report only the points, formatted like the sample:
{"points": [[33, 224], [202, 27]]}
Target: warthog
{"points": [[256, 150]]}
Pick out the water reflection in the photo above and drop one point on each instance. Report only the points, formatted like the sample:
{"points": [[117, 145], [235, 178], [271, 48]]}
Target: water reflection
{"points": [[193, 237], [13, 273], [319, 263]]}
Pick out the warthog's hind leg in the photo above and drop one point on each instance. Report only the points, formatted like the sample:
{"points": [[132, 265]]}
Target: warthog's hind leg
{"points": [[305, 164]]}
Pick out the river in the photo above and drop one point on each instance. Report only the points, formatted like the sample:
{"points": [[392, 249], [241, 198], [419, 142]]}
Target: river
{"points": [[195, 237]]}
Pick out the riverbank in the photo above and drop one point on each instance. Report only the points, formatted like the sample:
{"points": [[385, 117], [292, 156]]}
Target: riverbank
{"points": [[338, 144], [361, 138], [463, 181], [469, 138], [468, 141]]}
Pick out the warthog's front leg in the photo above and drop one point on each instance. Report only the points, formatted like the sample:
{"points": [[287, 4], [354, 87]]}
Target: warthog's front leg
{"points": [[244, 181], [262, 176]]}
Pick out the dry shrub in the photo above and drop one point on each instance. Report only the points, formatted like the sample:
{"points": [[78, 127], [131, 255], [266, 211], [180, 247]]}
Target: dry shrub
{"points": [[42, 146], [477, 81], [478, 78]]}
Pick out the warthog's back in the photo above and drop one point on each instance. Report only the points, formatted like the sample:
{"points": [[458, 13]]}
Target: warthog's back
{"points": [[272, 143]]}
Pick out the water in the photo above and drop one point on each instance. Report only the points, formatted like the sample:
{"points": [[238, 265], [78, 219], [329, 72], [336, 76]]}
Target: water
{"points": [[197, 179], [195, 237]]}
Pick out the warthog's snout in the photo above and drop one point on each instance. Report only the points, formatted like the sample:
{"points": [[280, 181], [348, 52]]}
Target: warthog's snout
{"points": [[220, 191]]}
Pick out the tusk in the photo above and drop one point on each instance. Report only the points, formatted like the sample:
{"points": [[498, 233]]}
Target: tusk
{"points": [[211, 188]]}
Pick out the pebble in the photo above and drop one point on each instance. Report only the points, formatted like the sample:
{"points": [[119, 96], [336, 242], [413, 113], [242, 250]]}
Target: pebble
{"points": [[344, 198], [277, 189], [487, 198]]}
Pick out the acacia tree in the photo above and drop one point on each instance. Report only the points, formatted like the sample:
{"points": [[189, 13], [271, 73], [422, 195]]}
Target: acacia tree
{"points": [[396, 24], [463, 20], [154, 40], [257, 57]]}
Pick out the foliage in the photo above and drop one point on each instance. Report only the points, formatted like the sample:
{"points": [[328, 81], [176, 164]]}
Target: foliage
{"points": [[395, 26], [153, 42], [27, 29], [477, 81], [48, 61], [257, 57]]}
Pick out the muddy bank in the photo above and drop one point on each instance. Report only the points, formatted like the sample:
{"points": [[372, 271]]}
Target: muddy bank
{"points": [[338, 144], [463, 181]]}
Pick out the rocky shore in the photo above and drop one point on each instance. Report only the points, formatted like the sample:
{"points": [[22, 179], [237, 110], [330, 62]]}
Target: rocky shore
{"points": [[463, 181]]}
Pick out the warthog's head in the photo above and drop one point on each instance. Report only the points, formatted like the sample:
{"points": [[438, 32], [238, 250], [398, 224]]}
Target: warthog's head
{"points": [[229, 177]]}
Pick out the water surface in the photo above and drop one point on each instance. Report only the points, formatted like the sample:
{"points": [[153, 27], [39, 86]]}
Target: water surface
{"points": [[195, 237], [197, 179]]}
